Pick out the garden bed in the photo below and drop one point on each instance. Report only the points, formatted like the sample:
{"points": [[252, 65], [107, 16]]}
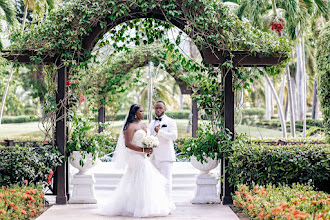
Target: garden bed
{"points": [[283, 202]]}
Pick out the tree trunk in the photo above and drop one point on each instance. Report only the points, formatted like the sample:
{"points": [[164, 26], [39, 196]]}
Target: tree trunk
{"points": [[294, 99], [282, 93], [272, 104], [150, 92], [315, 114], [241, 99], [299, 83], [181, 100], [5, 94], [304, 80], [25, 14], [291, 102], [286, 108], [279, 106], [267, 100]]}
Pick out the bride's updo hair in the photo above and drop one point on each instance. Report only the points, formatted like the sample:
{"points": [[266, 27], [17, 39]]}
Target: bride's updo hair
{"points": [[131, 115]]}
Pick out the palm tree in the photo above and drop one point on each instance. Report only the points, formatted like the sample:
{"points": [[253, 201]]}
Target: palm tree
{"points": [[38, 7], [296, 14], [6, 8]]}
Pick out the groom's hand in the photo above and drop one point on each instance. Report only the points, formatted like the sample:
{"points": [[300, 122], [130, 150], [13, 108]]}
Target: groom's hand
{"points": [[157, 128]]}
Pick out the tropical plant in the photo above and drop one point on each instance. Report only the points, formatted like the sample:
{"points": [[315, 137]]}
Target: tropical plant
{"points": [[6, 14], [323, 51], [84, 140], [38, 7], [207, 144]]}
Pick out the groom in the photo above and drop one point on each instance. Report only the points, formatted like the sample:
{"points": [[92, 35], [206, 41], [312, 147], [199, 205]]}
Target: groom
{"points": [[165, 129]]}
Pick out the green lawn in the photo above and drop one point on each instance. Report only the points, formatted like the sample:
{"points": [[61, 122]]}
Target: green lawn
{"points": [[32, 129]]}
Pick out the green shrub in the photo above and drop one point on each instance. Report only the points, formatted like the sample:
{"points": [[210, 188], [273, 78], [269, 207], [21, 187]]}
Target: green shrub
{"points": [[264, 164], [252, 115], [25, 163], [313, 130], [19, 119], [184, 114], [275, 123]]}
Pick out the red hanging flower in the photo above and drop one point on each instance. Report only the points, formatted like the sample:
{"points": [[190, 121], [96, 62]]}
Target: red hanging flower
{"points": [[82, 98], [26, 182], [278, 24], [74, 82]]}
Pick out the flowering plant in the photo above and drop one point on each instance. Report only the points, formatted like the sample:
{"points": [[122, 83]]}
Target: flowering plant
{"points": [[283, 202], [20, 202], [150, 141]]}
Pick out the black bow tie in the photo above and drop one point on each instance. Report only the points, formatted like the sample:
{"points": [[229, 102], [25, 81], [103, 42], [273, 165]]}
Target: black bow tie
{"points": [[158, 119]]}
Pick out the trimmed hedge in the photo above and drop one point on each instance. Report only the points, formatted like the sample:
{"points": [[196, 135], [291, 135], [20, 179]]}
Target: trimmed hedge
{"points": [[252, 115], [274, 123], [264, 164], [25, 163], [184, 114], [19, 119]]}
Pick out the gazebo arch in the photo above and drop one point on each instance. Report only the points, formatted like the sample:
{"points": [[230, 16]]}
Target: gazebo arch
{"points": [[128, 62], [107, 15]]}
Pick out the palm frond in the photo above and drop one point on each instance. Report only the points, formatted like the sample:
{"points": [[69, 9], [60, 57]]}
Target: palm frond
{"points": [[323, 6], [51, 4], [308, 5], [241, 9], [8, 10]]}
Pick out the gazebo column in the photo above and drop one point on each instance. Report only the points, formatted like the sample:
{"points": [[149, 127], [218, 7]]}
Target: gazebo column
{"points": [[229, 124], [61, 136], [194, 119]]}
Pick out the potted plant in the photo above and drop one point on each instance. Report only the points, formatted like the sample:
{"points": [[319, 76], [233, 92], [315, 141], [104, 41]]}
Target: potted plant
{"points": [[205, 150], [85, 145]]}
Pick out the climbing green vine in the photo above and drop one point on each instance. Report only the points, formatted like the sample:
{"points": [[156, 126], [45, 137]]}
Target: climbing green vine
{"points": [[209, 23]]}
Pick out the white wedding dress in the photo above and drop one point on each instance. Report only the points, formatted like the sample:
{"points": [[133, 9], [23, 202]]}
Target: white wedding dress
{"points": [[141, 191]]}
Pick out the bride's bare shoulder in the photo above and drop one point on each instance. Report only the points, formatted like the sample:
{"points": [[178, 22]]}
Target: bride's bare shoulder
{"points": [[131, 128]]}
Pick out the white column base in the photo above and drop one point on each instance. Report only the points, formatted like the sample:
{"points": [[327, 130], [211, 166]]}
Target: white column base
{"points": [[206, 191], [83, 189]]}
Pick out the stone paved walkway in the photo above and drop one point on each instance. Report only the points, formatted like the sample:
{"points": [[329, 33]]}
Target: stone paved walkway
{"points": [[184, 210], [181, 196]]}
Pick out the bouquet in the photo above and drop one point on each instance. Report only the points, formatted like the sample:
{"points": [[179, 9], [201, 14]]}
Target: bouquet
{"points": [[150, 141]]}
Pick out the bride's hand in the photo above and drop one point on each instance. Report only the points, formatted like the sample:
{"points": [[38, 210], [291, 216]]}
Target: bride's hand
{"points": [[148, 150]]}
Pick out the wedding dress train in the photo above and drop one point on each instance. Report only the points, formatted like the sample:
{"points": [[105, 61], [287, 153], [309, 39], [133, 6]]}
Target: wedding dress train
{"points": [[141, 190]]}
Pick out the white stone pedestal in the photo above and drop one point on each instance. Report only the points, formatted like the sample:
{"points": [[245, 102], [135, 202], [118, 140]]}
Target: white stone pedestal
{"points": [[83, 189], [206, 191]]}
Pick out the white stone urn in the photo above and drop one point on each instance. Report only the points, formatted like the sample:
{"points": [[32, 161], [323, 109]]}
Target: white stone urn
{"points": [[206, 190], [83, 183], [75, 158], [205, 167]]}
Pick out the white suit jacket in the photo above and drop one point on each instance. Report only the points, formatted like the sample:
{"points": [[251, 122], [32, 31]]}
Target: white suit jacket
{"points": [[167, 133]]}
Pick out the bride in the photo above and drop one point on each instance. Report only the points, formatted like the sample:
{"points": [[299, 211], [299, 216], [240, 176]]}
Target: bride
{"points": [[141, 191]]}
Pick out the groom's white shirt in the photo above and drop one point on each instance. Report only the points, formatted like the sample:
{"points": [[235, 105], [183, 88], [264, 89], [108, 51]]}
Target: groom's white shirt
{"points": [[166, 135]]}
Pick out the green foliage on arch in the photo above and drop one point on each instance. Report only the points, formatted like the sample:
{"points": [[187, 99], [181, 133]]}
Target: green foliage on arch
{"points": [[106, 82], [208, 22]]}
